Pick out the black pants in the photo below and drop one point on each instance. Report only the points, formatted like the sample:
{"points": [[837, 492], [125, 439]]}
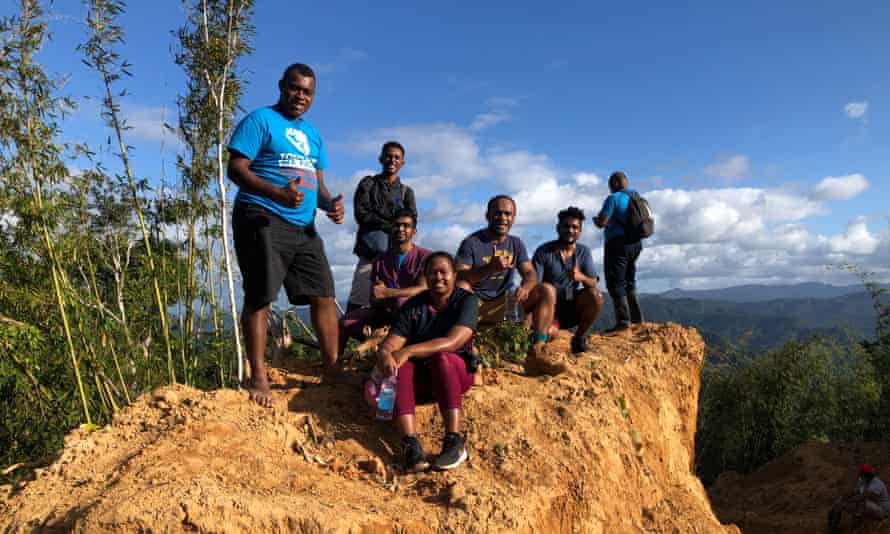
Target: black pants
{"points": [[621, 266], [273, 252]]}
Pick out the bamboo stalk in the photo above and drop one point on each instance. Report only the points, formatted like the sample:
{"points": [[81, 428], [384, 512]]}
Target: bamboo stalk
{"points": [[96, 22]]}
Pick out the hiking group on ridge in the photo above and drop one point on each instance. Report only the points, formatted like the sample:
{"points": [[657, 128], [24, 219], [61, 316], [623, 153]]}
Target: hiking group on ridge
{"points": [[433, 302]]}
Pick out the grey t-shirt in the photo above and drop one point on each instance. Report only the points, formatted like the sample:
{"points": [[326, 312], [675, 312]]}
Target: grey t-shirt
{"points": [[550, 267], [477, 250], [878, 490]]}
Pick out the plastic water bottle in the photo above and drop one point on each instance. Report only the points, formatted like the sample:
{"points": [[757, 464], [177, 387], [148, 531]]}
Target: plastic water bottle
{"points": [[386, 398], [511, 310]]}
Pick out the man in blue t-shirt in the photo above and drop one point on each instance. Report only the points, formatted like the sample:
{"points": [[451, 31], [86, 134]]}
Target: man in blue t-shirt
{"points": [[567, 267], [621, 253], [277, 160], [486, 261]]}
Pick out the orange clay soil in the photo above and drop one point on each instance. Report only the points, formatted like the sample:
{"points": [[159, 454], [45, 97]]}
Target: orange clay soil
{"points": [[607, 447], [793, 493]]}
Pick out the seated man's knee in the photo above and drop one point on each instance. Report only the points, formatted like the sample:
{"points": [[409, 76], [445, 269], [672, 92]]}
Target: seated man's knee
{"points": [[594, 296], [547, 292]]}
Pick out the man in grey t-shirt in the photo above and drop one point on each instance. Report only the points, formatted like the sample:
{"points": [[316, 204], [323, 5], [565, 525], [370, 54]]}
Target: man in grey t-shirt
{"points": [[869, 500], [486, 261]]}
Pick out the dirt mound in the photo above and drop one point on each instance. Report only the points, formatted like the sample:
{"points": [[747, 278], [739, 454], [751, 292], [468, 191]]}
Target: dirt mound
{"points": [[605, 448], [794, 492]]}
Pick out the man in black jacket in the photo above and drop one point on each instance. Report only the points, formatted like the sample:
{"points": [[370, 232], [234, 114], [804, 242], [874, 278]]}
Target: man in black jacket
{"points": [[377, 199]]}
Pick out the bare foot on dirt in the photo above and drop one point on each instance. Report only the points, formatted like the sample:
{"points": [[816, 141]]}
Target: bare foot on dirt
{"points": [[258, 389]]}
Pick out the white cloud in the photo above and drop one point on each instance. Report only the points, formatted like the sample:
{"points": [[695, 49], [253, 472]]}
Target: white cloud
{"points": [[437, 156], [840, 187], [489, 119], [708, 237], [856, 240], [150, 124], [539, 203], [446, 209], [856, 110], [345, 57], [518, 169], [446, 237], [587, 179], [710, 215], [730, 169]]}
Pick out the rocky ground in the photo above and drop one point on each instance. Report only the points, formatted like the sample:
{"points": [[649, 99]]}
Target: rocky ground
{"points": [[607, 447]]}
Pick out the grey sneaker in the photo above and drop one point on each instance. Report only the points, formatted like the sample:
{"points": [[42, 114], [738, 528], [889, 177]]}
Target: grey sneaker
{"points": [[453, 452], [413, 456]]}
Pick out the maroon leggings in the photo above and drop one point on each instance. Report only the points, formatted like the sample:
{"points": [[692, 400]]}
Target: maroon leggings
{"points": [[445, 373]]}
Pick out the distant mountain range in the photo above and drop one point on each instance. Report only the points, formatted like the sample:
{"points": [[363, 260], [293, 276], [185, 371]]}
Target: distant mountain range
{"points": [[738, 323], [737, 331], [759, 293]]}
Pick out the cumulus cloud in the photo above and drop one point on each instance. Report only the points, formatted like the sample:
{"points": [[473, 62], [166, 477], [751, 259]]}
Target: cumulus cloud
{"points": [[856, 240], [840, 187], [344, 58], [539, 203], [707, 237], [489, 119], [517, 170], [709, 215], [150, 124], [730, 169], [438, 155], [856, 110], [587, 179]]}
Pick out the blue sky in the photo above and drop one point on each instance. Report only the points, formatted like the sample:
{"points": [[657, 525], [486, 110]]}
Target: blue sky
{"points": [[759, 131]]}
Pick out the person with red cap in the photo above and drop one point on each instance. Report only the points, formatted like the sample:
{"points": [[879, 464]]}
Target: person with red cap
{"points": [[868, 501]]}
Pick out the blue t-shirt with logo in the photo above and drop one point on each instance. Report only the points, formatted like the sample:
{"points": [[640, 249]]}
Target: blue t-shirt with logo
{"points": [[477, 250], [615, 208], [551, 268], [280, 150]]}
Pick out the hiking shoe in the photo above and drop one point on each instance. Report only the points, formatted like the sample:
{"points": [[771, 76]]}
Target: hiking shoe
{"points": [[619, 327], [538, 362], [413, 456], [453, 452], [579, 344]]}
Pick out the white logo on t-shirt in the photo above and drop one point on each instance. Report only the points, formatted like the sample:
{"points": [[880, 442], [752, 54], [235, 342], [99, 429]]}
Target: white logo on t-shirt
{"points": [[298, 139]]}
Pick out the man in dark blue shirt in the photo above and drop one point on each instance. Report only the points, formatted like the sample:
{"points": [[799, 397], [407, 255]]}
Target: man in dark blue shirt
{"points": [[486, 261], [567, 266], [621, 253]]}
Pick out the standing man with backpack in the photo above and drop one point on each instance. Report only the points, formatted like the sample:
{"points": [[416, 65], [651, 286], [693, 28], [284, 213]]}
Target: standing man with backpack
{"points": [[626, 219], [377, 199]]}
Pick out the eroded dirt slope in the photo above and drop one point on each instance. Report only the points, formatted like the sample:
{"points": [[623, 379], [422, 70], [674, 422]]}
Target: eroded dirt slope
{"points": [[793, 493], [604, 448]]}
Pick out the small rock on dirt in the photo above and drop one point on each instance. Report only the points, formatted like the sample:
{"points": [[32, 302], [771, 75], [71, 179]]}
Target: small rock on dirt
{"points": [[374, 465]]}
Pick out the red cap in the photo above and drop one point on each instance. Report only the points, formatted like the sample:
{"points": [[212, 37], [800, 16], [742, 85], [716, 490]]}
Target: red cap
{"points": [[867, 469]]}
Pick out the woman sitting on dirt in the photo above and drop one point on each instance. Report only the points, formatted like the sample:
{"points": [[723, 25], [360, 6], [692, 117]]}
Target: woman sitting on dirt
{"points": [[426, 350]]}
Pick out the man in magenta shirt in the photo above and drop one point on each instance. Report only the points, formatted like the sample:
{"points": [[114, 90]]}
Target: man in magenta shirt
{"points": [[396, 276]]}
